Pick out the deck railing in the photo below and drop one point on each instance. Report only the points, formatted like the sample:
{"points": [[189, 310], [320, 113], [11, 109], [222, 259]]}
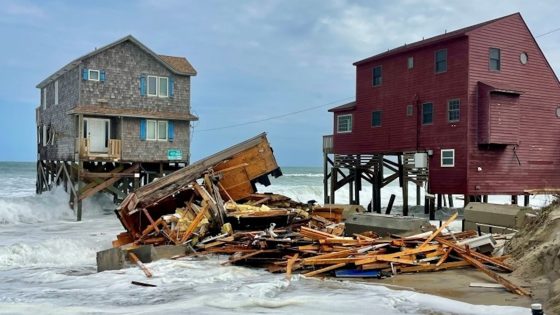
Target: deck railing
{"points": [[328, 144], [114, 149]]}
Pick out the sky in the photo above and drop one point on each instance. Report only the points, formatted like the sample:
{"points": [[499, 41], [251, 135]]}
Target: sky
{"points": [[256, 60]]}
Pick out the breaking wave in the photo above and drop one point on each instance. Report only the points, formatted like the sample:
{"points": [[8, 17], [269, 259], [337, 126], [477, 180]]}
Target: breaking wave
{"points": [[35, 208]]}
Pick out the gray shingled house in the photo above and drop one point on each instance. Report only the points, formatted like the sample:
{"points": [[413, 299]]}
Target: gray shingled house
{"points": [[112, 120]]}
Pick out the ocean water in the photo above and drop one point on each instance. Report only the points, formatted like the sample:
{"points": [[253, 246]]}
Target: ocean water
{"points": [[47, 266]]}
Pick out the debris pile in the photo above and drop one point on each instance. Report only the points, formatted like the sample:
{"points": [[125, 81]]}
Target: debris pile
{"points": [[212, 207], [313, 252]]}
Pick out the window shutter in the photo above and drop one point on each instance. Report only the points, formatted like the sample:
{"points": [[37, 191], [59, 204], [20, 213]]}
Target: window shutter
{"points": [[171, 89], [143, 85], [170, 131], [143, 129], [85, 74], [102, 75]]}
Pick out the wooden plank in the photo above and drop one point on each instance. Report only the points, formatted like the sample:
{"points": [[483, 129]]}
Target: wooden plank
{"points": [[323, 270], [107, 183], [443, 226], [501, 280], [444, 257], [137, 261], [405, 252], [194, 224], [479, 256], [373, 266], [290, 265]]}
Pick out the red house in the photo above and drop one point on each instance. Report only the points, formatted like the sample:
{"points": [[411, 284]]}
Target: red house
{"points": [[482, 102]]}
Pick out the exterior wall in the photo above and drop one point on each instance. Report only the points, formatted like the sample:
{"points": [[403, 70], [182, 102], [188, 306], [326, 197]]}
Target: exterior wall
{"points": [[534, 162], [134, 149], [399, 132], [123, 65], [56, 117]]}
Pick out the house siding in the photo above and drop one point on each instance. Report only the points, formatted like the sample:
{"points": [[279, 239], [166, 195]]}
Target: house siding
{"points": [[402, 87], [56, 117], [136, 150], [532, 161]]}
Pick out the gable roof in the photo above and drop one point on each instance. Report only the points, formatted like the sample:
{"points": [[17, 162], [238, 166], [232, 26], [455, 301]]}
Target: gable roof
{"points": [[432, 40], [177, 65]]}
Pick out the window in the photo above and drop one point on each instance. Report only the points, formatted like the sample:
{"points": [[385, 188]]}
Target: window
{"points": [[427, 113], [158, 86], [441, 61], [162, 130], [376, 119], [495, 59], [44, 101], [152, 85], [523, 58], [163, 86], [344, 123], [410, 62], [447, 157], [156, 130], [56, 92], [93, 75], [377, 76], [409, 110], [45, 138], [453, 110]]}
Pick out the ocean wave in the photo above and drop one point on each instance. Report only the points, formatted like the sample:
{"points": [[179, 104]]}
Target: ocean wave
{"points": [[49, 206], [57, 252], [36, 208]]}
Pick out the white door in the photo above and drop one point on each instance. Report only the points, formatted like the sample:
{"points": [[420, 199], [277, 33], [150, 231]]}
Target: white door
{"points": [[97, 132]]}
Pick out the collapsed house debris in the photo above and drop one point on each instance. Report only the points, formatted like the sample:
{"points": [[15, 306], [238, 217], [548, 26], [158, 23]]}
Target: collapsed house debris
{"points": [[212, 207]]}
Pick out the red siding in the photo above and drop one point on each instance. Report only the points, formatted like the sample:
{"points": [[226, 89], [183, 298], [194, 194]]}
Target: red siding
{"points": [[535, 161]]}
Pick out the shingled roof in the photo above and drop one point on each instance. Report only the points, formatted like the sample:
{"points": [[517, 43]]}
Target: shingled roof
{"points": [[177, 65], [180, 64], [432, 40]]}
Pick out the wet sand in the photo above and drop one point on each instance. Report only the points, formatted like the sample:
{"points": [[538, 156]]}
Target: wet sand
{"points": [[454, 284]]}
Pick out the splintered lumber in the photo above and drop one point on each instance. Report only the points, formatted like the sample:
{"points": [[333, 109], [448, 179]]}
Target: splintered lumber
{"points": [[499, 279], [290, 265], [458, 249], [315, 234], [194, 223], [137, 261], [443, 226], [373, 266], [323, 270], [344, 253], [405, 252], [444, 257]]}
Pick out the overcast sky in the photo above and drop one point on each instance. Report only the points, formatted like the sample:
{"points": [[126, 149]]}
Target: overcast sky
{"points": [[255, 59]]}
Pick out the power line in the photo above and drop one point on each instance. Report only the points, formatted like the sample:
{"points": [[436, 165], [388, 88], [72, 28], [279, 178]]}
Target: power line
{"points": [[277, 116]]}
